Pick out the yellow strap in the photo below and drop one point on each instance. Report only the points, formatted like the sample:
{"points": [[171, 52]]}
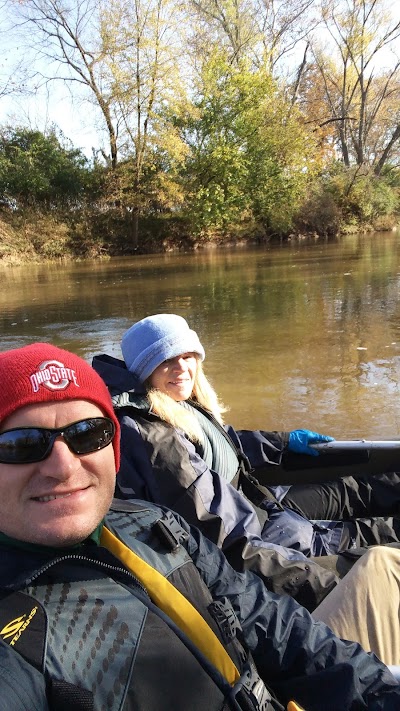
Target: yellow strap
{"points": [[175, 605], [292, 706]]}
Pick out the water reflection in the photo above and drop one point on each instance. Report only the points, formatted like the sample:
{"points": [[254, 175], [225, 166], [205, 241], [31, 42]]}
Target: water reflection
{"points": [[299, 335]]}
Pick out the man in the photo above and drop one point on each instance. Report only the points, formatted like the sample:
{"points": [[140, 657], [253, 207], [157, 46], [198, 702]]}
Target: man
{"points": [[124, 606]]}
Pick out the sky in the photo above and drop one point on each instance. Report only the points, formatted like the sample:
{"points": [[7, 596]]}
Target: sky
{"points": [[54, 105], [51, 107]]}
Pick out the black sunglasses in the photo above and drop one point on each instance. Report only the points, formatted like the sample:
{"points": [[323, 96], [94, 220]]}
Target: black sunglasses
{"points": [[25, 445]]}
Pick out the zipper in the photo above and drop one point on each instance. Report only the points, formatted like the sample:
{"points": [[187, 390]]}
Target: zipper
{"points": [[106, 567]]}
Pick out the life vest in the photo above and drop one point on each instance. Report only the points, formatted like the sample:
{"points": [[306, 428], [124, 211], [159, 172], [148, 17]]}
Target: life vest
{"points": [[82, 617], [217, 448]]}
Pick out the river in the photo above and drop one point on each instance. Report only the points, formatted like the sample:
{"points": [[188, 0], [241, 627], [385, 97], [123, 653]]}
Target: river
{"points": [[298, 335]]}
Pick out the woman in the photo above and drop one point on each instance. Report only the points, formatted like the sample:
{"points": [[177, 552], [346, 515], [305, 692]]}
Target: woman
{"points": [[177, 452]]}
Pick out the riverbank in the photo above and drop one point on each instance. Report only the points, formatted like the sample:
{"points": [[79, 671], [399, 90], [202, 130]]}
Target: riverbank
{"points": [[34, 237]]}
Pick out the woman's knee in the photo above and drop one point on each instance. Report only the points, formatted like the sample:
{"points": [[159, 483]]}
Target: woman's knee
{"points": [[381, 557]]}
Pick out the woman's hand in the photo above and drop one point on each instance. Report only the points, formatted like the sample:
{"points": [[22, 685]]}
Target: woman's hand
{"points": [[299, 441]]}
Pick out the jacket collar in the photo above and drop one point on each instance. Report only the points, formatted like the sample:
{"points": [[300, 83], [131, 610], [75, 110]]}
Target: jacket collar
{"points": [[116, 375], [19, 560], [124, 387]]}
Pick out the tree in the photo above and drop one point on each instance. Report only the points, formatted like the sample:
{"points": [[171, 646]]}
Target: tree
{"points": [[262, 31], [125, 53], [141, 46], [360, 96], [250, 158], [37, 171], [65, 34]]}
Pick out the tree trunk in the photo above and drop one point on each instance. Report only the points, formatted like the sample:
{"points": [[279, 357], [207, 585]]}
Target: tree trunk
{"points": [[133, 227]]}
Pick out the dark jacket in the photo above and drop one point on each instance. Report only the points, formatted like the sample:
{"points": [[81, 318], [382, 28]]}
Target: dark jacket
{"points": [[101, 641], [160, 464]]}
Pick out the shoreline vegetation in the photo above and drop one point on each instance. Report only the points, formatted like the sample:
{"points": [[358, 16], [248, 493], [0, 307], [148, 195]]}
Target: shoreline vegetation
{"points": [[57, 205], [31, 236]]}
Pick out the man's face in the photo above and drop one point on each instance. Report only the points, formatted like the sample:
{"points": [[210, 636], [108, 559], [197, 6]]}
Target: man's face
{"points": [[83, 485]]}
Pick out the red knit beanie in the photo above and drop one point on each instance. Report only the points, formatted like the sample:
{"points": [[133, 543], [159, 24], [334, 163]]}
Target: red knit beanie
{"points": [[41, 372]]}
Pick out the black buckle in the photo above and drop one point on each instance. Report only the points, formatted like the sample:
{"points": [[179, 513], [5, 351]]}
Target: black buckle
{"points": [[256, 688], [244, 462], [226, 618], [169, 531], [251, 693]]}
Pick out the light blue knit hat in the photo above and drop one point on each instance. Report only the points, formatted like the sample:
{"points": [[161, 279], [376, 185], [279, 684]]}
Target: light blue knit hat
{"points": [[154, 339]]}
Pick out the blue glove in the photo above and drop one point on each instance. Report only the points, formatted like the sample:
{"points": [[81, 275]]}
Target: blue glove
{"points": [[300, 439]]}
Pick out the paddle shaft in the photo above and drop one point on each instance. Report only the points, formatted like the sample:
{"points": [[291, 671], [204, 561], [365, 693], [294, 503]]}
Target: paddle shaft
{"points": [[340, 445]]}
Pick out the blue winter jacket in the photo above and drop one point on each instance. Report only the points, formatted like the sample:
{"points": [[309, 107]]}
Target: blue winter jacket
{"points": [[160, 464]]}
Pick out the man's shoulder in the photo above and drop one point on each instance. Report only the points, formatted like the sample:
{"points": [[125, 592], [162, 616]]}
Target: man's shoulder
{"points": [[154, 533], [135, 516], [132, 506]]}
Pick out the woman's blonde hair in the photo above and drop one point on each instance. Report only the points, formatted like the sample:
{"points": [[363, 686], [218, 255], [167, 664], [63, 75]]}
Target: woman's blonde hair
{"points": [[172, 412]]}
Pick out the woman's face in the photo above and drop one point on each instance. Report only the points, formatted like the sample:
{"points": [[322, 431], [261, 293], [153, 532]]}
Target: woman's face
{"points": [[176, 376]]}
